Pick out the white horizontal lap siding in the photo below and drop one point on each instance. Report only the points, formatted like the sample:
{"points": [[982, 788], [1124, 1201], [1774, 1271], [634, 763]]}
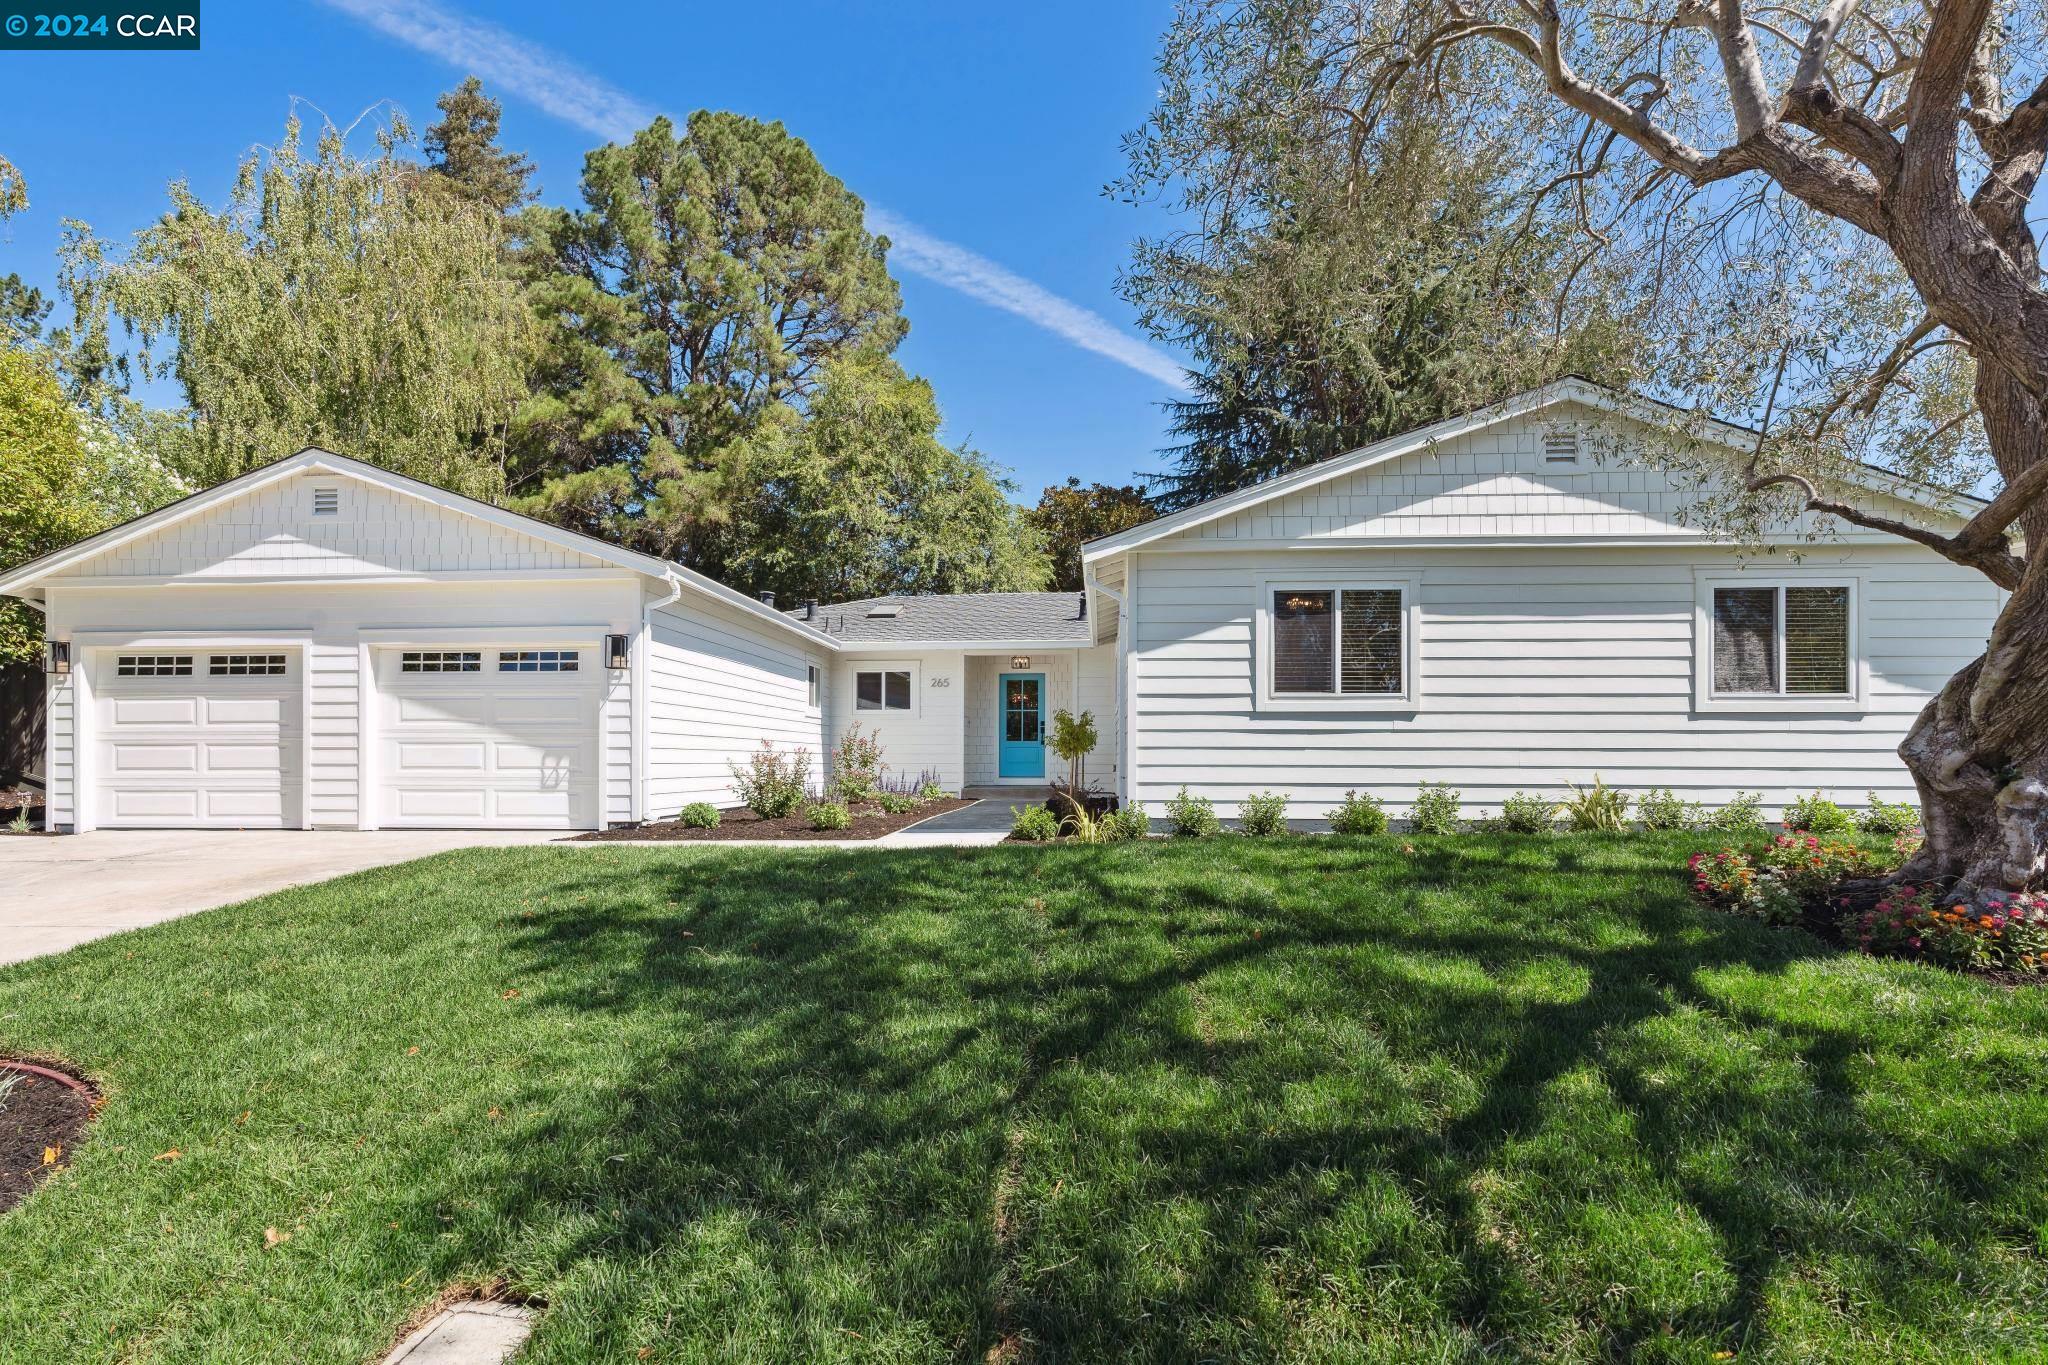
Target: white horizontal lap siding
{"points": [[1537, 667], [334, 731], [272, 532], [718, 684], [930, 737]]}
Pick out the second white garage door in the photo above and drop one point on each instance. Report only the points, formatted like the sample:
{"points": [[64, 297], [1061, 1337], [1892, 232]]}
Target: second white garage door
{"points": [[488, 737]]}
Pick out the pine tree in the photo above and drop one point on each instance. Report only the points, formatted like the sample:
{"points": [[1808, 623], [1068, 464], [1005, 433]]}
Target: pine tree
{"points": [[464, 150]]}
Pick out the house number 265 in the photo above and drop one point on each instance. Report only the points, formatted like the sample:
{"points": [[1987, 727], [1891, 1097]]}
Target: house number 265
{"points": [[942, 682]]}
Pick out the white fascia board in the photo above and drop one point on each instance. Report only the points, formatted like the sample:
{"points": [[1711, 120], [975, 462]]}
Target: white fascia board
{"points": [[752, 606], [866, 647]]}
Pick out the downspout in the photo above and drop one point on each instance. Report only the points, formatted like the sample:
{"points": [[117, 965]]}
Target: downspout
{"points": [[642, 661], [1123, 700]]}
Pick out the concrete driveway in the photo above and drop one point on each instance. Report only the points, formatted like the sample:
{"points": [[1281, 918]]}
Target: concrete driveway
{"points": [[57, 892]]}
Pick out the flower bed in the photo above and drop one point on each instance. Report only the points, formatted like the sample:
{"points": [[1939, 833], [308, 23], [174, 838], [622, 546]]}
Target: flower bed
{"points": [[866, 820], [1801, 879]]}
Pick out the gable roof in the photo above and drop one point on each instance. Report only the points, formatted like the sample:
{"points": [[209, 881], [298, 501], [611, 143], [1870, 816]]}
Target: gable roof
{"points": [[25, 577], [1568, 390], [999, 618]]}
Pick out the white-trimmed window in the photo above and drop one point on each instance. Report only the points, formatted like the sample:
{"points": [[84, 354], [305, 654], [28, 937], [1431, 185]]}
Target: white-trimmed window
{"points": [[153, 665], [814, 686], [440, 661], [1336, 645], [881, 689], [1786, 643], [537, 660], [245, 665]]}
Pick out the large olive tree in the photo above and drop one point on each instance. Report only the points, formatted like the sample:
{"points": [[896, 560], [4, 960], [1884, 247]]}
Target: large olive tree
{"points": [[1830, 204]]}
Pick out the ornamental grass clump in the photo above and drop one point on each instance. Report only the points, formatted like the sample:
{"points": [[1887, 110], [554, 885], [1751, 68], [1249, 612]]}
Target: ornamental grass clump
{"points": [[1262, 815], [1596, 808]]}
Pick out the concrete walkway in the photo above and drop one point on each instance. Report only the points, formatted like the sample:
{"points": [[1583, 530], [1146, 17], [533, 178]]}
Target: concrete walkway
{"points": [[59, 891]]}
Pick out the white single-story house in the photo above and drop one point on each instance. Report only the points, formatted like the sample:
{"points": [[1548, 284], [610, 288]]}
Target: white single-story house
{"points": [[1491, 602]]}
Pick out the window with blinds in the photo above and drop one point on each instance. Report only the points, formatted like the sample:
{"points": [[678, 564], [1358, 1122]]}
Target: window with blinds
{"points": [[1338, 642], [1784, 641]]}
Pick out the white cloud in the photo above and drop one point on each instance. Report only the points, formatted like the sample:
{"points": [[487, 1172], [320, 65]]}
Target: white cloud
{"points": [[551, 83], [533, 73]]}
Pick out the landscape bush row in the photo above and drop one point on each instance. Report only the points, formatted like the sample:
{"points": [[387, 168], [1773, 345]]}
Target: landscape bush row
{"points": [[1438, 809], [777, 784]]}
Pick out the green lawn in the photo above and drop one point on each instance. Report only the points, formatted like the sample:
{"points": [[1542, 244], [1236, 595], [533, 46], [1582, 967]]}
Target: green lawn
{"points": [[1314, 1100]]}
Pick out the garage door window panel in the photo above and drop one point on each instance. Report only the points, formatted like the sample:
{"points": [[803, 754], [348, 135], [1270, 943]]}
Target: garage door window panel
{"points": [[245, 665], [440, 661], [537, 660], [153, 666]]}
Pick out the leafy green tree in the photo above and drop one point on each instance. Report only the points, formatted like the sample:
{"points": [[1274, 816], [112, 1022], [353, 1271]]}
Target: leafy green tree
{"points": [[333, 302], [858, 497], [23, 309], [64, 475], [693, 304], [1070, 515], [1342, 281], [463, 151]]}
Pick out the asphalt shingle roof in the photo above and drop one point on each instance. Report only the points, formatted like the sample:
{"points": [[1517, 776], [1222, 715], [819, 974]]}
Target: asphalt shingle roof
{"points": [[996, 616]]}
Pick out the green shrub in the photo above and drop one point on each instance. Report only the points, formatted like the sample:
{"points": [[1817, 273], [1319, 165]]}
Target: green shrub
{"points": [[1744, 814], [828, 815], [857, 764], [931, 791], [1358, 815], [698, 815], [898, 803], [1034, 823], [1435, 810], [772, 784], [1128, 823], [1888, 817], [1526, 814], [1191, 817], [1262, 815], [1599, 807], [1661, 808], [1817, 815]]}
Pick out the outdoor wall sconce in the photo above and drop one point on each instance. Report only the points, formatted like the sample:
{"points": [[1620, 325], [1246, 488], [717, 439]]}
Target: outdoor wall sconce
{"points": [[1020, 661], [615, 651], [60, 657]]}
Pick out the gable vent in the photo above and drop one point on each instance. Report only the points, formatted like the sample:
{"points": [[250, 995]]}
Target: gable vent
{"points": [[326, 502], [1561, 447]]}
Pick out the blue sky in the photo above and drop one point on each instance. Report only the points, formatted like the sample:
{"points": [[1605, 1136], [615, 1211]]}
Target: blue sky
{"points": [[985, 128]]}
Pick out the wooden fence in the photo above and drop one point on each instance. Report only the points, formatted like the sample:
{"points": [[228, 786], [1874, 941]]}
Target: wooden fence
{"points": [[21, 722]]}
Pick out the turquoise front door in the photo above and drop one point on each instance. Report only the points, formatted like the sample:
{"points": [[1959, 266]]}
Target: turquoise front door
{"points": [[1020, 703]]}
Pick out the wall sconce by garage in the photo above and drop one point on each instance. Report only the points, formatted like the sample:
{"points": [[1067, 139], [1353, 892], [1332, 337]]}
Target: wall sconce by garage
{"points": [[1020, 661], [60, 657], [615, 651]]}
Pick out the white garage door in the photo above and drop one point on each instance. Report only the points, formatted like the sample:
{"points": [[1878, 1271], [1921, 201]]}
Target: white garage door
{"points": [[197, 738], [486, 737]]}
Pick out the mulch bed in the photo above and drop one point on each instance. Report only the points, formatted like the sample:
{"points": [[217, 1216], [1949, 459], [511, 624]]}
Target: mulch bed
{"points": [[740, 824], [39, 1118], [14, 800]]}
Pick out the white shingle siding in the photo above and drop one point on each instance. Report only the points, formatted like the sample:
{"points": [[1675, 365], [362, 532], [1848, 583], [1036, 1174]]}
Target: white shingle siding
{"points": [[1537, 666], [719, 683]]}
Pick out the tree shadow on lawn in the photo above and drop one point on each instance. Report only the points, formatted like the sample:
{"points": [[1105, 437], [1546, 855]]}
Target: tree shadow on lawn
{"points": [[1257, 1101]]}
